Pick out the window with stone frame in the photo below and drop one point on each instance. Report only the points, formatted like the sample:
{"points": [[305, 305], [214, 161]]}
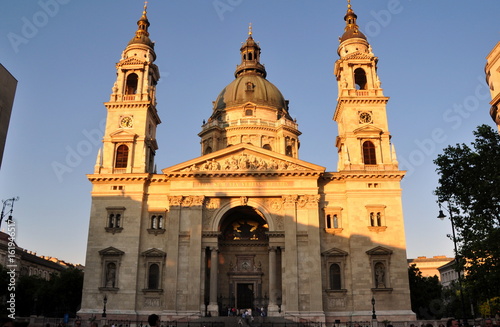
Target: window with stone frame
{"points": [[333, 220], [335, 277], [114, 219], [369, 156], [376, 217], [121, 159], [154, 263], [334, 261], [156, 223], [380, 259], [110, 269]]}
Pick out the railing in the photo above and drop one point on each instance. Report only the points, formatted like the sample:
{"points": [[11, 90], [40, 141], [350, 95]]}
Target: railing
{"points": [[362, 93], [252, 122]]}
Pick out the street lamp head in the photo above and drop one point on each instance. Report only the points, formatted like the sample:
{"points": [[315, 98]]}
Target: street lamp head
{"points": [[373, 300], [441, 215], [105, 300]]}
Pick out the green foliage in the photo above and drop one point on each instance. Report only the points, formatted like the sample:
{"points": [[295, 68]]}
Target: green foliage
{"points": [[469, 187], [53, 298], [425, 294], [490, 307]]}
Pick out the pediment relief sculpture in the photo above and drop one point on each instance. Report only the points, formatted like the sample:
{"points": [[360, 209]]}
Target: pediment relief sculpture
{"points": [[244, 161]]}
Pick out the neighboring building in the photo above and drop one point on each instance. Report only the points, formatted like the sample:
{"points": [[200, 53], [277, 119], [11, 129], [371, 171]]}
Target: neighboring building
{"points": [[492, 71], [8, 86], [429, 266], [27, 263], [247, 224], [448, 274]]}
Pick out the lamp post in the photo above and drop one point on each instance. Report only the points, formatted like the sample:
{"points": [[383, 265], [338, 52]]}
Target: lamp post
{"points": [[458, 270], [6, 203], [105, 300], [374, 316]]}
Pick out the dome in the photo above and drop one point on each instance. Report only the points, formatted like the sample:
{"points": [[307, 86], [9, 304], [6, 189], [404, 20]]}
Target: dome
{"points": [[351, 34], [250, 88]]}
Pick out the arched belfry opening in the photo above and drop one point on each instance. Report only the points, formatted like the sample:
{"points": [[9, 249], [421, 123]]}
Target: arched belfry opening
{"points": [[243, 280], [360, 79]]}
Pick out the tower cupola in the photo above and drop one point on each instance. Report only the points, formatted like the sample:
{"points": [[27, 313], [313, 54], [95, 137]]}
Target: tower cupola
{"points": [[142, 34], [351, 29], [250, 58]]}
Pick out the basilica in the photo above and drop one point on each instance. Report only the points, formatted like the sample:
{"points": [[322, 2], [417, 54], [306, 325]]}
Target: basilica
{"points": [[247, 224]]}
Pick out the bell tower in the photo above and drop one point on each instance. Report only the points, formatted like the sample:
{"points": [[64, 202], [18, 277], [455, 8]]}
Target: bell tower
{"points": [[363, 140], [129, 142]]}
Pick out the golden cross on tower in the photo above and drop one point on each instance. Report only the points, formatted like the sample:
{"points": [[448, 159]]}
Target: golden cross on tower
{"points": [[250, 29], [348, 4], [145, 7]]}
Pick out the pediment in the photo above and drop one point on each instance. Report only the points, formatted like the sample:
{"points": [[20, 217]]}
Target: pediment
{"points": [[379, 250], [123, 135], [130, 62], [334, 252], [154, 253], [111, 251], [368, 129], [243, 159], [359, 55]]}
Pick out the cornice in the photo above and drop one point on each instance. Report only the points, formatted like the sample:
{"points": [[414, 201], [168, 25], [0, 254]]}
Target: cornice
{"points": [[226, 174], [129, 104], [358, 100], [362, 174], [126, 177]]}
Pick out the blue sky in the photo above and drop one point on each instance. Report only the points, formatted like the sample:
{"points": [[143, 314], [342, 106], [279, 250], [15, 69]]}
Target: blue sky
{"points": [[63, 53]]}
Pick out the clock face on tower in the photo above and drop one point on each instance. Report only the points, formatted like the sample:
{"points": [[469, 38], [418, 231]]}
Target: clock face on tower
{"points": [[365, 117], [126, 122]]}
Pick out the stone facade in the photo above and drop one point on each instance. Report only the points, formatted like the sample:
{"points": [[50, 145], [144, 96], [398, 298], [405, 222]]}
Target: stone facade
{"points": [[8, 85], [247, 224], [492, 70]]}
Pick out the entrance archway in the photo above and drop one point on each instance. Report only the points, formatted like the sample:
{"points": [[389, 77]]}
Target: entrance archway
{"points": [[243, 281]]}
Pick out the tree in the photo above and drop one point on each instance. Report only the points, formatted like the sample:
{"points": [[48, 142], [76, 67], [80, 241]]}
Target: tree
{"points": [[469, 184], [425, 294], [51, 298]]}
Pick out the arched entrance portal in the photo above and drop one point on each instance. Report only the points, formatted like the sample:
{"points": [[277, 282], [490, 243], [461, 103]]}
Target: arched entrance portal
{"points": [[243, 281]]}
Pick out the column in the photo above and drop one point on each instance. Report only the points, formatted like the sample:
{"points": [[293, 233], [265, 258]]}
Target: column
{"points": [[290, 296], [213, 307], [202, 281], [172, 247], [272, 308]]}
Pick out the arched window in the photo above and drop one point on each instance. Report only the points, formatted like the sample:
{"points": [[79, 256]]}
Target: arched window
{"points": [[335, 280], [248, 112], [288, 151], [121, 156], [111, 221], [369, 153], [132, 81], [267, 147], [208, 150], [360, 79], [249, 56], [118, 219], [335, 221], [153, 276]]}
